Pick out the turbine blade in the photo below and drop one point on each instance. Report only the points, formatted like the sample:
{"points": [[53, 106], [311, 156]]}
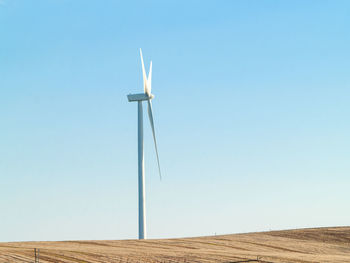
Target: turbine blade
{"points": [[143, 73], [150, 115], [149, 80]]}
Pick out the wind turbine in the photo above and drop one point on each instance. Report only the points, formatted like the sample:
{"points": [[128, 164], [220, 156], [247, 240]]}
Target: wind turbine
{"points": [[146, 96]]}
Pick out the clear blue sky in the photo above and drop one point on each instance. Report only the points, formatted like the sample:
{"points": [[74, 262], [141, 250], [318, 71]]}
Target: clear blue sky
{"points": [[251, 110]]}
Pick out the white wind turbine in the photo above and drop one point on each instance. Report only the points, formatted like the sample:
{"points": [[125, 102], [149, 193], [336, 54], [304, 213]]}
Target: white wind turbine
{"points": [[141, 171]]}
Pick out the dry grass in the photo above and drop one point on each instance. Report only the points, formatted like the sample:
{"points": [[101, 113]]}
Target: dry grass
{"points": [[301, 245]]}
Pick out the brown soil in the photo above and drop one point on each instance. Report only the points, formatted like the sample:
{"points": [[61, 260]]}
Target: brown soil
{"points": [[300, 245]]}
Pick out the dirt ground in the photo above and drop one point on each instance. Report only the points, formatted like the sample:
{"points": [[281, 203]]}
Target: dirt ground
{"points": [[301, 245]]}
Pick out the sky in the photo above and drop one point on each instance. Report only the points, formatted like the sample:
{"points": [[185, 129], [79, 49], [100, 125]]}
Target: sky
{"points": [[251, 111]]}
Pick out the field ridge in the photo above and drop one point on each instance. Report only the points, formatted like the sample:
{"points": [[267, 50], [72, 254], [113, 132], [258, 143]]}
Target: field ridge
{"points": [[309, 245]]}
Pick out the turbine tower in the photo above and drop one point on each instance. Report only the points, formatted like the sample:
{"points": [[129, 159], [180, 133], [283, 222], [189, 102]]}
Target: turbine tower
{"points": [[140, 97]]}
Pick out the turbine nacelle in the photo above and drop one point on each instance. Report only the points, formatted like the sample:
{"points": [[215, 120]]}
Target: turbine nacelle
{"points": [[140, 97]]}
